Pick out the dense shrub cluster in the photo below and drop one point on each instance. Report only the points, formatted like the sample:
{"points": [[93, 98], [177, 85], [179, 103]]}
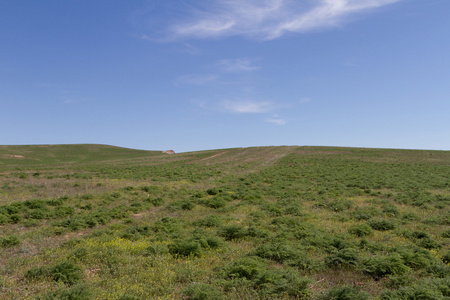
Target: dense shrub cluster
{"points": [[66, 272]]}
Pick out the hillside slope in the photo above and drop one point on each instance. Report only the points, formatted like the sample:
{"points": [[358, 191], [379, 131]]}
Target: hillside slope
{"points": [[26, 155]]}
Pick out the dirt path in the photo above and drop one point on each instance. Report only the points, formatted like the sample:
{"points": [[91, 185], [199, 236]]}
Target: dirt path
{"points": [[215, 155]]}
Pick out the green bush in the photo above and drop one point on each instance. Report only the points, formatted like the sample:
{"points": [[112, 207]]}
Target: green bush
{"points": [[184, 248], [446, 234], [438, 269], [4, 219], [365, 213], [340, 205], [155, 201], [233, 232], [187, 205], [213, 191], [379, 266], [209, 221], [37, 273], [157, 249], [347, 257], [278, 252], [410, 217], [78, 292], [424, 290], [344, 293], [202, 291], [15, 218], [66, 272], [64, 211], [216, 202], [446, 258], [79, 253], [428, 243], [9, 241], [416, 258], [361, 230], [137, 232], [248, 267], [390, 210], [382, 225]]}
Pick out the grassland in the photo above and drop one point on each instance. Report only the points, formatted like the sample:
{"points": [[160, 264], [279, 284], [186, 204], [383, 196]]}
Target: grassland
{"points": [[102, 222]]}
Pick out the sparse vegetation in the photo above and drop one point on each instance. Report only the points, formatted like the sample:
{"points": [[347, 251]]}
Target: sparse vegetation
{"points": [[100, 222]]}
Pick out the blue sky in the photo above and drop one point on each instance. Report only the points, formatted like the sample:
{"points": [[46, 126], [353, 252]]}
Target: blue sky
{"points": [[206, 74]]}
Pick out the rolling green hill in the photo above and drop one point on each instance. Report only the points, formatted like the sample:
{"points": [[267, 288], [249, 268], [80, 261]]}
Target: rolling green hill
{"points": [[103, 222], [50, 155]]}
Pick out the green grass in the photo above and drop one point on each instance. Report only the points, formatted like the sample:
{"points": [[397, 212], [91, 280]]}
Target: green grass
{"points": [[102, 222], [55, 155]]}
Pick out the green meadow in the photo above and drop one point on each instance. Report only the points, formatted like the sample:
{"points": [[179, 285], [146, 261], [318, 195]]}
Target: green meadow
{"points": [[103, 222]]}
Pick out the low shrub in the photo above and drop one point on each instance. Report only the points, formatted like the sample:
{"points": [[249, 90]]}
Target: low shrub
{"points": [[390, 210], [438, 269], [379, 266], [268, 283], [155, 201], [428, 289], [382, 225], [410, 217], [278, 252], [9, 241], [344, 293], [213, 191], [361, 230], [428, 243], [79, 253], [137, 232], [156, 249], [78, 292], [365, 213], [63, 211], [416, 258], [446, 234], [202, 291], [446, 258], [66, 272], [272, 210], [347, 257], [248, 267], [340, 205], [209, 221], [184, 248], [4, 219], [233, 232], [216, 202]]}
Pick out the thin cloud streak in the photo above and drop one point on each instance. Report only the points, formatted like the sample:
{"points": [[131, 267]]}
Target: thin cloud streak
{"points": [[268, 19], [196, 79], [236, 65], [247, 107], [277, 121]]}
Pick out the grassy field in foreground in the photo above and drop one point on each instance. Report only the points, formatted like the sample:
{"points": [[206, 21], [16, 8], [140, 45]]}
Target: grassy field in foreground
{"points": [[102, 222]]}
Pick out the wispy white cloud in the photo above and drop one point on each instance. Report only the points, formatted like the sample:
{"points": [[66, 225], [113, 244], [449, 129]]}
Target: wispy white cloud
{"points": [[277, 121], [247, 107], [189, 49], [236, 65], [74, 100], [196, 79], [304, 100], [266, 19]]}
